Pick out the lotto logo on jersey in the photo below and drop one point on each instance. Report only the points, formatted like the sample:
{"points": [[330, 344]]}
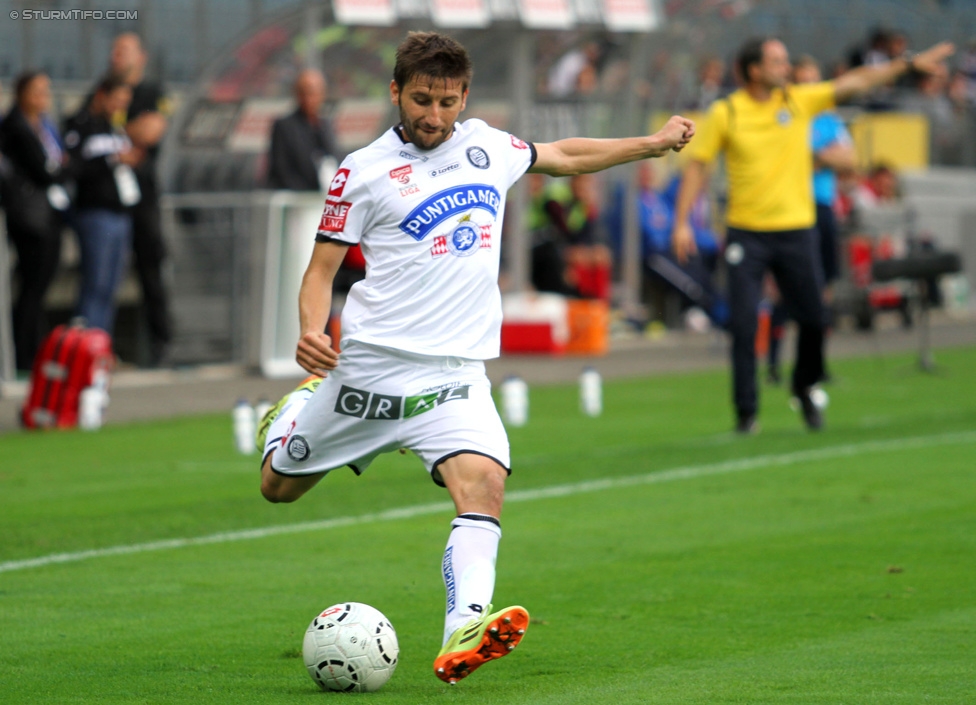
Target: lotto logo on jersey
{"points": [[334, 216], [517, 143], [401, 174], [338, 184]]}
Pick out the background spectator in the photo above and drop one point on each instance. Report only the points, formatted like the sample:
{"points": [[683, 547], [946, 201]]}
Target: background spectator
{"points": [[582, 237], [546, 223], [711, 84], [101, 158], [302, 142], [693, 279], [576, 72], [878, 188], [943, 103], [146, 123], [33, 199]]}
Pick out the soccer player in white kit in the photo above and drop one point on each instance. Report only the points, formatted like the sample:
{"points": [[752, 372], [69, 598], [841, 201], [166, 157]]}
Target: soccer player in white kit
{"points": [[425, 202]]}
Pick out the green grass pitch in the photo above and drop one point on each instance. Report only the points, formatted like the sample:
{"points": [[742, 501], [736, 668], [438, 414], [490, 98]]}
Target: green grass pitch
{"points": [[663, 559]]}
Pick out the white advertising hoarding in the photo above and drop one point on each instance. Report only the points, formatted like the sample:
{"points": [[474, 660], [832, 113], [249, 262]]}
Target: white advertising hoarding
{"points": [[546, 14], [460, 13], [365, 12], [630, 15]]}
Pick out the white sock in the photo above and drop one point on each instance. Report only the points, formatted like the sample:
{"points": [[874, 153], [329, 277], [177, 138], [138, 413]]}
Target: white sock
{"points": [[469, 568]]}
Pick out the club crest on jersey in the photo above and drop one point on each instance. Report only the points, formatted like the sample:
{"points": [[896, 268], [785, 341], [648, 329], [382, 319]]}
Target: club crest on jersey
{"points": [[466, 239], [401, 173], [446, 204], [478, 157], [783, 117]]}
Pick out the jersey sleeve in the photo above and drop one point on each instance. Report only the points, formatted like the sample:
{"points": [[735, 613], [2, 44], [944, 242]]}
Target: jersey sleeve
{"points": [[710, 137], [814, 98], [348, 205], [520, 156]]}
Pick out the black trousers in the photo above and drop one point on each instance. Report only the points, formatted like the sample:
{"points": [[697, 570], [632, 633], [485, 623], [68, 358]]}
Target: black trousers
{"points": [[793, 258], [38, 247], [150, 251]]}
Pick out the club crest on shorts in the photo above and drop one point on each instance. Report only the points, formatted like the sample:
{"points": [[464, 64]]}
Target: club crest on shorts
{"points": [[298, 449]]}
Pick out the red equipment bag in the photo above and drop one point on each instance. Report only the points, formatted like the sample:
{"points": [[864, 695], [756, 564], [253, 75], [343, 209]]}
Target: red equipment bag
{"points": [[66, 363]]}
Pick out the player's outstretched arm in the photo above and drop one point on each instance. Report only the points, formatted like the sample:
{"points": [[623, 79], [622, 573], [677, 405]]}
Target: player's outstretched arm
{"points": [[581, 155], [862, 79], [315, 353]]}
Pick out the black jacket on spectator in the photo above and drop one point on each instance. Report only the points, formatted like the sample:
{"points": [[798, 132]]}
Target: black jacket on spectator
{"points": [[28, 173], [147, 97], [93, 144], [297, 148], [33, 226]]}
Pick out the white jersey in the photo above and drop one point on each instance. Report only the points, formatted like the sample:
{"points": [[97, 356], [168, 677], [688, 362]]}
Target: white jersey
{"points": [[429, 224]]}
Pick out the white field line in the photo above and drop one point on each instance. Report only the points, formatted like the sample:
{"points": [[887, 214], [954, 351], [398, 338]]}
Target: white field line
{"points": [[680, 473]]}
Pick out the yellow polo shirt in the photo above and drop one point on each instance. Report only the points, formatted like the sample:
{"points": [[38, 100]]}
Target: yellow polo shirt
{"points": [[767, 154]]}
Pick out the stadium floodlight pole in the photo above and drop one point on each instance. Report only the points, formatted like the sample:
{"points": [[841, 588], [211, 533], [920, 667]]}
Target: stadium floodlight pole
{"points": [[632, 265], [7, 369], [313, 23], [520, 79]]}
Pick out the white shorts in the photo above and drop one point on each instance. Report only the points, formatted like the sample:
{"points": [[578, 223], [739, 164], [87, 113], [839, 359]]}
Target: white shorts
{"points": [[379, 400]]}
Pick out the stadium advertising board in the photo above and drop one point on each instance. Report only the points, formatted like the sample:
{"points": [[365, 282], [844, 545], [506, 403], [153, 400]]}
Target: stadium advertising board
{"points": [[546, 14], [460, 13], [365, 12], [630, 15]]}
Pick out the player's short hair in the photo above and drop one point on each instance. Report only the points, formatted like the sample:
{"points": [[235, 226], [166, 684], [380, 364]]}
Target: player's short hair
{"points": [[433, 55], [750, 53]]}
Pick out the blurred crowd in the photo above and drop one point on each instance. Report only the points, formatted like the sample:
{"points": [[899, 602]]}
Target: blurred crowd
{"points": [[94, 174], [580, 220], [597, 67]]}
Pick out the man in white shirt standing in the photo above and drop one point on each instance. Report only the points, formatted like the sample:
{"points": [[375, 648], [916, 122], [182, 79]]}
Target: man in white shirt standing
{"points": [[425, 201]]}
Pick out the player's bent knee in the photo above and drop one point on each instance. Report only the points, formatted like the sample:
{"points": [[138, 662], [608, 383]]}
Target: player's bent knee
{"points": [[273, 486], [278, 488]]}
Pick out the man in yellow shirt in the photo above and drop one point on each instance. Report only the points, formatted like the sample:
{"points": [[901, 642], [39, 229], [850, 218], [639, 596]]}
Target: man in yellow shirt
{"points": [[763, 130]]}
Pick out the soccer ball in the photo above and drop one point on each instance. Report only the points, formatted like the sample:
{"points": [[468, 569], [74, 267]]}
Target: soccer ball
{"points": [[350, 647]]}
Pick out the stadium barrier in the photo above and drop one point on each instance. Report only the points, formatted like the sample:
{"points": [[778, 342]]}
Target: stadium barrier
{"points": [[237, 261]]}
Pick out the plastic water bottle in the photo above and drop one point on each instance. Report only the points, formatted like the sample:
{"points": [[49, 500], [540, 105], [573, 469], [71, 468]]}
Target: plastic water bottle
{"points": [[591, 392], [244, 427], [515, 401], [90, 409], [92, 402], [260, 409]]}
